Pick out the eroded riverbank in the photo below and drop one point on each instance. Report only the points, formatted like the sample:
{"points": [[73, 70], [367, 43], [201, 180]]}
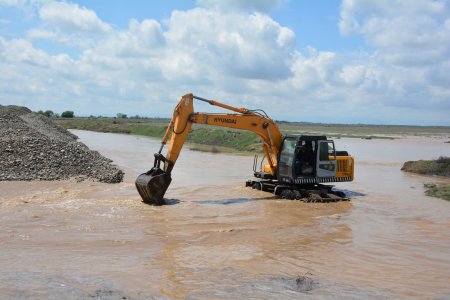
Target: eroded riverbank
{"points": [[222, 240]]}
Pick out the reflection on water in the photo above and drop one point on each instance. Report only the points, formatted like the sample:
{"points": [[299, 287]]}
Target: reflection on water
{"points": [[221, 240], [233, 201]]}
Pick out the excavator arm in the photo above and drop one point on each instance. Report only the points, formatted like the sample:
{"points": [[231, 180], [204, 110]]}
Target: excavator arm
{"points": [[153, 184]]}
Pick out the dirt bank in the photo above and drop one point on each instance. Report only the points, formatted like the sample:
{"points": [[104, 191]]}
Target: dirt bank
{"points": [[33, 147], [440, 166]]}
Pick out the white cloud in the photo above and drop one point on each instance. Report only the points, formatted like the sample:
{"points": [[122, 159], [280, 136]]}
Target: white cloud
{"points": [[83, 41], [246, 59], [4, 22], [353, 75], [412, 49], [67, 16], [10, 2], [232, 44], [141, 40], [407, 31], [312, 71], [242, 5], [68, 25], [37, 33], [22, 51]]}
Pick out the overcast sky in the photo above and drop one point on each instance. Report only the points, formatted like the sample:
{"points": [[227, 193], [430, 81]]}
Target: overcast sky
{"points": [[329, 61]]}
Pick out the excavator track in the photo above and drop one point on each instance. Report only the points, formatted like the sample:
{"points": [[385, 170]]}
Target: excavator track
{"points": [[309, 194], [313, 197]]}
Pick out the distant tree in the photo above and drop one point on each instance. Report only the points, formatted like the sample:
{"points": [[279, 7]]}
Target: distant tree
{"points": [[121, 116], [67, 114], [49, 113]]}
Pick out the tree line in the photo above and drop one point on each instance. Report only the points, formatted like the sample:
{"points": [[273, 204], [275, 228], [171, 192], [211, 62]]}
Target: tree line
{"points": [[51, 114], [70, 114]]}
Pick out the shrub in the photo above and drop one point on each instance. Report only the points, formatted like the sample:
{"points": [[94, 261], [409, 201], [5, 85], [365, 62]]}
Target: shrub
{"points": [[440, 166], [440, 191], [47, 113], [67, 114]]}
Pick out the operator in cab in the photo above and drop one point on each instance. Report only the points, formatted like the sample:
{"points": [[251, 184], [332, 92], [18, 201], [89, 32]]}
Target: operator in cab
{"points": [[305, 159]]}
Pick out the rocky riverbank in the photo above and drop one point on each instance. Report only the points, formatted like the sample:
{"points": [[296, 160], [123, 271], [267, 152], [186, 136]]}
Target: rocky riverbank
{"points": [[32, 147]]}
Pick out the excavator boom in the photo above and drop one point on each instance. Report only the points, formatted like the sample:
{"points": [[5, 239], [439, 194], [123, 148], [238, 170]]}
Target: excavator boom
{"points": [[153, 184]]}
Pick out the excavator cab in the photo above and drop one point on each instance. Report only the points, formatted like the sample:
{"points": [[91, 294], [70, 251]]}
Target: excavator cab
{"points": [[304, 163], [298, 157], [307, 159]]}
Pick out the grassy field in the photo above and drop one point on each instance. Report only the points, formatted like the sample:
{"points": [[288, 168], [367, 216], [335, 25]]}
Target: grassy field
{"points": [[365, 131], [222, 139]]}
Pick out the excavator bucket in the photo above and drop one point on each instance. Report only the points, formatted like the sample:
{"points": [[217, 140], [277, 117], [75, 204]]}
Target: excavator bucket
{"points": [[152, 185]]}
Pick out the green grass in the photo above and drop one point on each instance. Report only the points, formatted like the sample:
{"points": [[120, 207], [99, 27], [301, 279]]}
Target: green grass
{"points": [[438, 190], [229, 140], [153, 128], [148, 130], [238, 140]]}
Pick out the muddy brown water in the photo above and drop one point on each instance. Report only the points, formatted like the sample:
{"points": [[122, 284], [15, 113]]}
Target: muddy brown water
{"points": [[220, 240]]}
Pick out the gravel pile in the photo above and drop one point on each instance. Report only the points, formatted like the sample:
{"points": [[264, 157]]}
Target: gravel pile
{"points": [[33, 147]]}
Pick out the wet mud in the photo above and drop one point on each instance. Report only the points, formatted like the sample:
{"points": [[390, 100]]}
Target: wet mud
{"points": [[220, 240]]}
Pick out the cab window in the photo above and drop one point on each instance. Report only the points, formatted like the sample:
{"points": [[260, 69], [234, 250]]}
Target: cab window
{"points": [[287, 153], [326, 151]]}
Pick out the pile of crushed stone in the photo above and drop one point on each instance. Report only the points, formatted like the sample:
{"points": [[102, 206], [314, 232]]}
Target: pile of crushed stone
{"points": [[32, 147]]}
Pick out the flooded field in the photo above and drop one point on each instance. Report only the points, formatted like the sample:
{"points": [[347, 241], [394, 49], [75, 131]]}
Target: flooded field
{"points": [[220, 240]]}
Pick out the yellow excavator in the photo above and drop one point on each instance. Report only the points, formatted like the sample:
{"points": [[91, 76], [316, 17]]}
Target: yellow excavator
{"points": [[296, 168]]}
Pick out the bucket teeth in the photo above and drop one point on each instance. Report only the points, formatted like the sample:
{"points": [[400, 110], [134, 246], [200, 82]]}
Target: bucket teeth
{"points": [[152, 186]]}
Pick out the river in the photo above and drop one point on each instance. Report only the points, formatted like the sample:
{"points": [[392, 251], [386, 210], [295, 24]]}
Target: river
{"points": [[219, 240]]}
